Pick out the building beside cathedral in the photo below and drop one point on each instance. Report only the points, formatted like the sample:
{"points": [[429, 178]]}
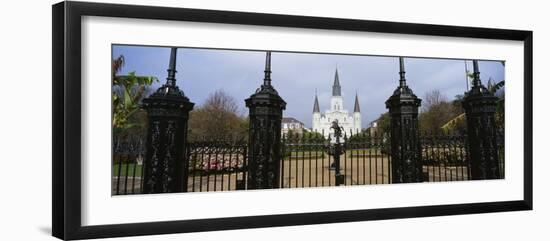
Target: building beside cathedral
{"points": [[351, 123], [290, 124]]}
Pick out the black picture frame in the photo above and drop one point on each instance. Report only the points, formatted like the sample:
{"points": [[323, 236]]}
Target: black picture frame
{"points": [[66, 47]]}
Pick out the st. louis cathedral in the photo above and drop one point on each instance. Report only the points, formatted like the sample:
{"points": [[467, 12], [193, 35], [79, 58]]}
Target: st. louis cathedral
{"points": [[322, 122]]}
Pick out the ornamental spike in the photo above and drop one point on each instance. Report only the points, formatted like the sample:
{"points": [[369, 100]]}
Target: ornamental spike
{"points": [[171, 79]]}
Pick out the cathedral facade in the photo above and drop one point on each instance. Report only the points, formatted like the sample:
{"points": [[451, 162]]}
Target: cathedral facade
{"points": [[351, 123]]}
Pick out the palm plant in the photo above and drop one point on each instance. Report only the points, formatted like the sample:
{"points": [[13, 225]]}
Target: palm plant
{"points": [[127, 92]]}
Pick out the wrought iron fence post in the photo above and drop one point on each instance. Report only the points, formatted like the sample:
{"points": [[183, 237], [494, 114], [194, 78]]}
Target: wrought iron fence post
{"points": [[167, 109], [404, 135], [337, 151], [480, 107], [265, 113], [241, 184]]}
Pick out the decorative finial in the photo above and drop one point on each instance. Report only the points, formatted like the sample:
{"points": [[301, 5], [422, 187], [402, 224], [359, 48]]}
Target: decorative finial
{"points": [[477, 80], [402, 80], [466, 74], [171, 79], [267, 71]]}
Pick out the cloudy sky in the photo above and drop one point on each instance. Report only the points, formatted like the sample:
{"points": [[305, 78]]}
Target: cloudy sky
{"points": [[297, 75]]}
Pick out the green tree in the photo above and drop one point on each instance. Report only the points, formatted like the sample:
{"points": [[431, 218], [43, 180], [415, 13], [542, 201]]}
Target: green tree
{"points": [[363, 136], [313, 137], [127, 93], [437, 111], [499, 114], [383, 124], [381, 133]]}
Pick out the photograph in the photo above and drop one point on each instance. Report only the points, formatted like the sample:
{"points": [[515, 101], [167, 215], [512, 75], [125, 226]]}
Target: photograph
{"points": [[223, 119], [191, 119]]}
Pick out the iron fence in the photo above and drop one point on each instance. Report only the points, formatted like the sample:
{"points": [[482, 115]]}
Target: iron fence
{"points": [[445, 156], [306, 161], [212, 166], [217, 166], [127, 169], [500, 151]]}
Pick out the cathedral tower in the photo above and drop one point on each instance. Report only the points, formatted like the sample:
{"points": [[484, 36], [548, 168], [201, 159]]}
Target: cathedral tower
{"points": [[336, 101], [321, 123]]}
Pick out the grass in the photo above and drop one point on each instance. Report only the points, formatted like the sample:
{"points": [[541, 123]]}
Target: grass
{"points": [[366, 152], [305, 154], [320, 154], [130, 167]]}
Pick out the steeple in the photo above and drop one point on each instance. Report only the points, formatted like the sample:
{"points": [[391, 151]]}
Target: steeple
{"points": [[336, 88], [356, 107], [316, 104]]}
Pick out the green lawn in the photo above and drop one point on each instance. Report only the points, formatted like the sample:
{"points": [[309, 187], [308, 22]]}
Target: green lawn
{"points": [[319, 154], [366, 152], [305, 154], [130, 167]]}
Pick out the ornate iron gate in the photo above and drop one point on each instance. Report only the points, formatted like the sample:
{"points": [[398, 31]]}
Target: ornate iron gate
{"points": [[306, 161], [217, 166], [309, 160]]}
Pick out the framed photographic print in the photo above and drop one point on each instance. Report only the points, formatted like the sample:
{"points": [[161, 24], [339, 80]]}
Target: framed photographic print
{"points": [[169, 120]]}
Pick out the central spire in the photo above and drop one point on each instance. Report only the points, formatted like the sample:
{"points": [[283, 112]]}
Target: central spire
{"points": [[336, 88]]}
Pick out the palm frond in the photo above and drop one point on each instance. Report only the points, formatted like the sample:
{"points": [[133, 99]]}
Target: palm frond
{"points": [[116, 65]]}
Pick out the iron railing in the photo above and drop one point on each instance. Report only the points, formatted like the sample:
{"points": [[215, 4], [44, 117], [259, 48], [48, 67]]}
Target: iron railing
{"points": [[212, 166], [216, 166], [444, 157], [128, 155], [306, 161]]}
